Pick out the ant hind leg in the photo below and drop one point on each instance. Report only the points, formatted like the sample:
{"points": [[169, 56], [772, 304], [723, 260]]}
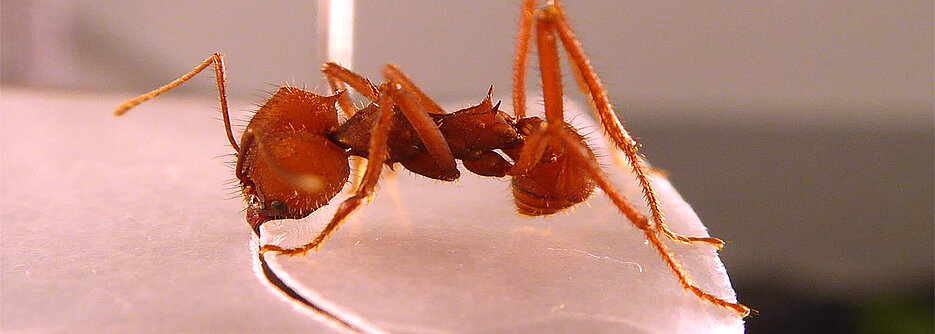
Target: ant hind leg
{"points": [[576, 150], [546, 21], [591, 84]]}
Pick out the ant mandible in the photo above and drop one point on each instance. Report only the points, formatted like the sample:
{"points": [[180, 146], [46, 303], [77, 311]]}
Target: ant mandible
{"points": [[293, 156]]}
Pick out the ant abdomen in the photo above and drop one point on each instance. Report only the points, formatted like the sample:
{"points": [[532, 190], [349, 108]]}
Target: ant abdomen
{"points": [[292, 126], [555, 183]]}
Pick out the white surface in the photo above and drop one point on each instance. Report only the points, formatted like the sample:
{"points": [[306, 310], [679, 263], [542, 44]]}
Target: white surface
{"points": [[121, 225]]}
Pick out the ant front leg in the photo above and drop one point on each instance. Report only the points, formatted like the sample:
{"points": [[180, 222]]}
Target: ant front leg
{"points": [[393, 73], [375, 161], [339, 77], [444, 167], [416, 106]]}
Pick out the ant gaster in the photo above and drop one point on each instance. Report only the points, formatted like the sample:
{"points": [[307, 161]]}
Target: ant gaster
{"points": [[293, 155]]}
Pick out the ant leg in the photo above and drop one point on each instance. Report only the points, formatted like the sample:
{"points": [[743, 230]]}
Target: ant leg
{"points": [[575, 149], [428, 131], [376, 159], [551, 92], [394, 74], [579, 78], [342, 74], [247, 140], [520, 58], [533, 148], [339, 77], [599, 99], [218, 60], [344, 100], [411, 107]]}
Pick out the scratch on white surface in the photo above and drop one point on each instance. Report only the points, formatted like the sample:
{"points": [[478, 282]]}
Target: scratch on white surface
{"points": [[391, 186], [633, 326], [557, 308], [599, 257], [412, 328], [278, 238], [544, 232]]}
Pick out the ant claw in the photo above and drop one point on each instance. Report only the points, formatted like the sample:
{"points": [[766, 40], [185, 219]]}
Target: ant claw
{"points": [[717, 243], [271, 248]]}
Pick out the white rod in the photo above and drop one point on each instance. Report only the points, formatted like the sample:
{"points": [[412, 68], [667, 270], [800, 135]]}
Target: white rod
{"points": [[336, 31]]}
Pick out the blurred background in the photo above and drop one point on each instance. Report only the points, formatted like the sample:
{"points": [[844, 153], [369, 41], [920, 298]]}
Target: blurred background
{"points": [[801, 131]]}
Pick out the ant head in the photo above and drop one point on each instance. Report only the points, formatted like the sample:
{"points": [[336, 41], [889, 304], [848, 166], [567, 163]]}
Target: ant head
{"points": [[293, 174], [291, 166]]}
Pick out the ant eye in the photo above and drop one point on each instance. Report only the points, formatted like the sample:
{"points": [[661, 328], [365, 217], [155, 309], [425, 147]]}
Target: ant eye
{"points": [[278, 206]]}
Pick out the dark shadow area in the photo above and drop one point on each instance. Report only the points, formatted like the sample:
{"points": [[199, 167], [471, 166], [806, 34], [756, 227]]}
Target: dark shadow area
{"points": [[289, 291], [829, 227], [788, 311]]}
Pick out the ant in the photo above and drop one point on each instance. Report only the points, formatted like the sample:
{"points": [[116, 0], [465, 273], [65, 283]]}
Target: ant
{"points": [[293, 155]]}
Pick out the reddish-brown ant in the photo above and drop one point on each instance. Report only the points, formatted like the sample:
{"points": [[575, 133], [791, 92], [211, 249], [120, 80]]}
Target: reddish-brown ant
{"points": [[293, 156]]}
